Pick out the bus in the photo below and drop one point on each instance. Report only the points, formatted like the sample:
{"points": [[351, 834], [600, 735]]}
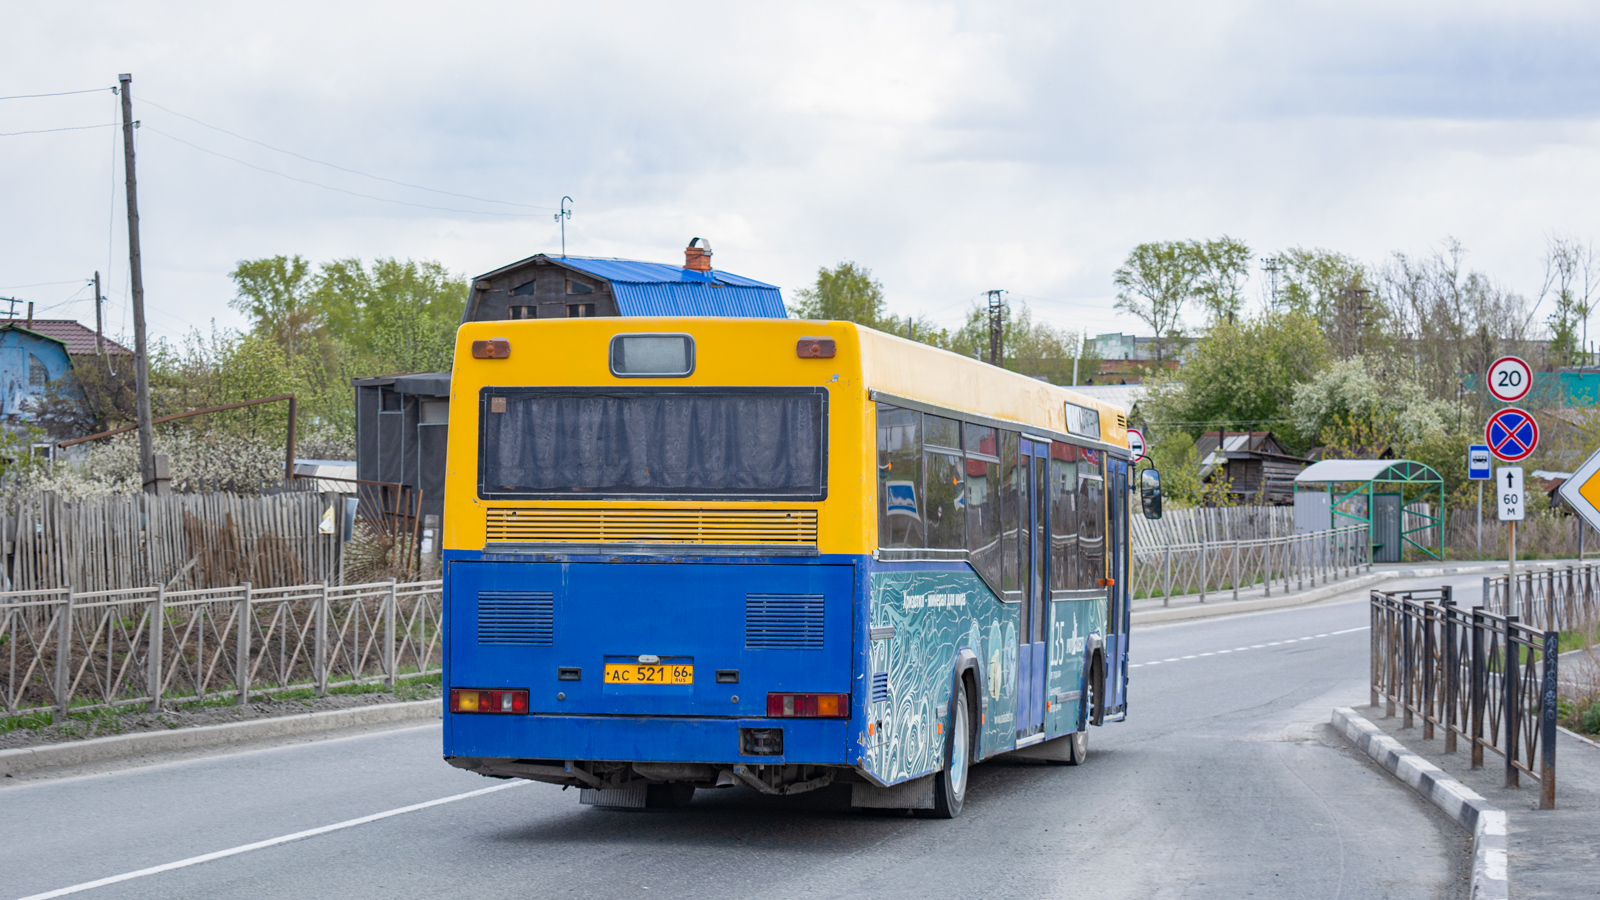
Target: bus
{"points": [[693, 553]]}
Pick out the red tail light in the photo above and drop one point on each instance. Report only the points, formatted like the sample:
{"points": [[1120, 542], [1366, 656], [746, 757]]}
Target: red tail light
{"points": [[470, 700], [808, 706]]}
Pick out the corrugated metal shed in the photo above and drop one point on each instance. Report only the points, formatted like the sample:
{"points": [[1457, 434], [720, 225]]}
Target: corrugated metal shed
{"points": [[658, 289]]}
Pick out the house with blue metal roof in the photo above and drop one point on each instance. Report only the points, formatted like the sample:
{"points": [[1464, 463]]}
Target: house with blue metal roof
{"points": [[558, 287], [29, 362]]}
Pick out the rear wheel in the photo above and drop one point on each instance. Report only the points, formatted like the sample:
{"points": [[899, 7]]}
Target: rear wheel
{"points": [[950, 785]]}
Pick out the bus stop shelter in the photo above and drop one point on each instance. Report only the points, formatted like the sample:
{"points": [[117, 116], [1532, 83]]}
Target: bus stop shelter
{"points": [[1377, 493]]}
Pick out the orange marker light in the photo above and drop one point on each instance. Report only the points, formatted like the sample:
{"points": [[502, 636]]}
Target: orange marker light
{"points": [[815, 348], [493, 348]]}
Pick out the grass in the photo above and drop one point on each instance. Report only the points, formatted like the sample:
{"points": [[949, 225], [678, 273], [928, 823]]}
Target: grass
{"points": [[1577, 639], [108, 720]]}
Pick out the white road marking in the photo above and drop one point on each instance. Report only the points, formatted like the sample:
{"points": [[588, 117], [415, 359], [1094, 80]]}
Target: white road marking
{"points": [[261, 845], [1174, 659]]}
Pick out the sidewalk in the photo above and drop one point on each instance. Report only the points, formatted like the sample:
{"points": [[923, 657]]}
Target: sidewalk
{"points": [[1150, 610], [1552, 853]]}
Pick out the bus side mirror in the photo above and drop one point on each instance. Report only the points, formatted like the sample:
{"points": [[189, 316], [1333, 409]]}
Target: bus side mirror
{"points": [[1150, 493]]}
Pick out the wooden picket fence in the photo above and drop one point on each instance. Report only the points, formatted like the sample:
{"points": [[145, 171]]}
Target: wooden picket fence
{"points": [[182, 541]]}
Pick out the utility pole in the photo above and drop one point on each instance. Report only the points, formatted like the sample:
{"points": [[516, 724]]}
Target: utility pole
{"points": [[562, 217], [997, 327], [141, 358], [99, 328]]}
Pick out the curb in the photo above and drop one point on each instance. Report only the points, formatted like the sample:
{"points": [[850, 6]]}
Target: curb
{"points": [[74, 753], [1467, 807], [1207, 610]]}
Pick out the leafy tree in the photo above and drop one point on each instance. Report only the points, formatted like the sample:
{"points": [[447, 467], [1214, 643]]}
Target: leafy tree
{"points": [[1333, 288], [1242, 375], [1224, 265], [846, 293], [1155, 282], [278, 294]]}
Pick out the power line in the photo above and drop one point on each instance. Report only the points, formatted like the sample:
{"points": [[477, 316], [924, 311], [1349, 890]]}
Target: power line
{"points": [[339, 167], [14, 287], [48, 130], [329, 187], [58, 94]]}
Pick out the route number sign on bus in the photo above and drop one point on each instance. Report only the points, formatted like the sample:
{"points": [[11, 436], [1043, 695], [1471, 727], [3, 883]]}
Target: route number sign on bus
{"points": [[1512, 434], [1510, 379]]}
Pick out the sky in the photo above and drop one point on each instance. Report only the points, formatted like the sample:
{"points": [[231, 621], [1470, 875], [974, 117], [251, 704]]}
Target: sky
{"points": [[951, 148]]}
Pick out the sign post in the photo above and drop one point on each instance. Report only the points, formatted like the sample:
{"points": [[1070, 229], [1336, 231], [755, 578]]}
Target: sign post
{"points": [[1478, 470], [1513, 507]]}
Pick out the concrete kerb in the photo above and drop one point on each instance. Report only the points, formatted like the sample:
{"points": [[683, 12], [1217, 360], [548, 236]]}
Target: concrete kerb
{"points": [[1467, 807], [1300, 598], [76, 753]]}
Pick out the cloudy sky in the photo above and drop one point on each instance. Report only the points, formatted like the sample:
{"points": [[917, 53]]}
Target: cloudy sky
{"points": [[951, 148]]}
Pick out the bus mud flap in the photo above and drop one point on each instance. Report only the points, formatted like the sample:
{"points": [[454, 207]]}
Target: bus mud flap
{"points": [[914, 794]]}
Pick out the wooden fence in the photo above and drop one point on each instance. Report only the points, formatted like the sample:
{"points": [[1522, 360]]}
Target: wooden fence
{"points": [[182, 541]]}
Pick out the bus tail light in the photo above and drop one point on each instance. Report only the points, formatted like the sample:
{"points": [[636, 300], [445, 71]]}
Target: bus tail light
{"points": [[808, 706], [469, 700]]}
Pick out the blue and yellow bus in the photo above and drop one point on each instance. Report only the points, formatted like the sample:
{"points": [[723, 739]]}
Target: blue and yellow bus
{"points": [[781, 554]]}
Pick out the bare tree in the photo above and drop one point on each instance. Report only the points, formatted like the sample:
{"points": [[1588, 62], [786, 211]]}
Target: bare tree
{"points": [[1570, 280]]}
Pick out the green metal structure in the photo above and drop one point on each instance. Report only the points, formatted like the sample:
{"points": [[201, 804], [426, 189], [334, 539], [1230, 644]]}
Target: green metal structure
{"points": [[1343, 479]]}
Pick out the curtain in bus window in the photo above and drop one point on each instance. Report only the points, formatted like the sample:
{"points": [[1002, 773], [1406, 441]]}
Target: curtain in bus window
{"points": [[1065, 572], [620, 443], [1011, 511], [1091, 519], [946, 504], [900, 496]]}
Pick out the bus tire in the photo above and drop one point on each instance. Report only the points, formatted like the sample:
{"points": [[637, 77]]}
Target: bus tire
{"points": [[950, 785], [1097, 690], [1078, 747]]}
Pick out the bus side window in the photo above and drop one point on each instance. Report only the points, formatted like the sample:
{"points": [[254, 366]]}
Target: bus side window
{"points": [[983, 502], [1091, 520], [900, 494], [1065, 572], [1010, 509]]}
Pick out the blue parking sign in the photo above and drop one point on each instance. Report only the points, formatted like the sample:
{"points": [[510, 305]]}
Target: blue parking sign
{"points": [[1478, 462]]}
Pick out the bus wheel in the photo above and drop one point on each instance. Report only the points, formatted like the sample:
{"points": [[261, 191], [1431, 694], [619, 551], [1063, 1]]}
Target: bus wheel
{"points": [[668, 796], [1097, 690], [950, 786], [1078, 747]]}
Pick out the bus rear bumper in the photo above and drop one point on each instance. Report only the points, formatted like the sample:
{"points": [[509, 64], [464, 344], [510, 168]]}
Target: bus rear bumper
{"points": [[659, 739]]}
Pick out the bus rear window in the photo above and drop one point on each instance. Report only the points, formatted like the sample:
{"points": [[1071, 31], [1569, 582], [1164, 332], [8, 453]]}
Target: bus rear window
{"points": [[664, 443]]}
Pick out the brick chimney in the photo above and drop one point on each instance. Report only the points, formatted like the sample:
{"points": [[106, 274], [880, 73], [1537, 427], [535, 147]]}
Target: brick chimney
{"points": [[698, 258]]}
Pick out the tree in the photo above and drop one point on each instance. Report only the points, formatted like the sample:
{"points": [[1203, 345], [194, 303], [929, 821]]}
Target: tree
{"points": [[1332, 288], [1224, 265], [277, 293], [1242, 375], [1570, 275], [401, 316], [846, 293], [1155, 282]]}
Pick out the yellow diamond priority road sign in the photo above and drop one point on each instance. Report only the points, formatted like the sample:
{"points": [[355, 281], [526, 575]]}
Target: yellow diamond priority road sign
{"points": [[1582, 490]]}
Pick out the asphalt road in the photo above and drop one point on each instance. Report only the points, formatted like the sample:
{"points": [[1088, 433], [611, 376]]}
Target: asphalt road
{"points": [[1225, 782]]}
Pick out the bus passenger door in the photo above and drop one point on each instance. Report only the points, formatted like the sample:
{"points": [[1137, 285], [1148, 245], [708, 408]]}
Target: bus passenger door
{"points": [[1034, 552], [1117, 605]]}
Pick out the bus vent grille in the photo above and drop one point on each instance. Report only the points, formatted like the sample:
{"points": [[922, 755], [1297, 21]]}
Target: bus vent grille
{"points": [[880, 687], [783, 621], [613, 525], [516, 618], [1122, 421]]}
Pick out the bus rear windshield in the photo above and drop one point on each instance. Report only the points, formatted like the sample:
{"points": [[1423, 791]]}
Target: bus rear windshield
{"points": [[664, 443]]}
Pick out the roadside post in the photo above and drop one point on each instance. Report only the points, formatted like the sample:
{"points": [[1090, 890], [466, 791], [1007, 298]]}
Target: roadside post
{"points": [[1513, 508], [1478, 470]]}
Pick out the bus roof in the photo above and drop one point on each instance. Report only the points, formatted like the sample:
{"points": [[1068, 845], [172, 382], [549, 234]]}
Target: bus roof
{"points": [[917, 371]]}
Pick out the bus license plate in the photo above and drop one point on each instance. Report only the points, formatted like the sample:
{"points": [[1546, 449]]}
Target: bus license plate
{"points": [[631, 673]]}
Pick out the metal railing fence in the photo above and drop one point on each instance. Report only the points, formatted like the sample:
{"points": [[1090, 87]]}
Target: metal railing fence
{"points": [[1559, 598], [67, 651], [1215, 567], [1479, 675]]}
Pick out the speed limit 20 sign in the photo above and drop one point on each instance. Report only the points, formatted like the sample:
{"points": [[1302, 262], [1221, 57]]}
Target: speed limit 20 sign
{"points": [[1510, 379]]}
